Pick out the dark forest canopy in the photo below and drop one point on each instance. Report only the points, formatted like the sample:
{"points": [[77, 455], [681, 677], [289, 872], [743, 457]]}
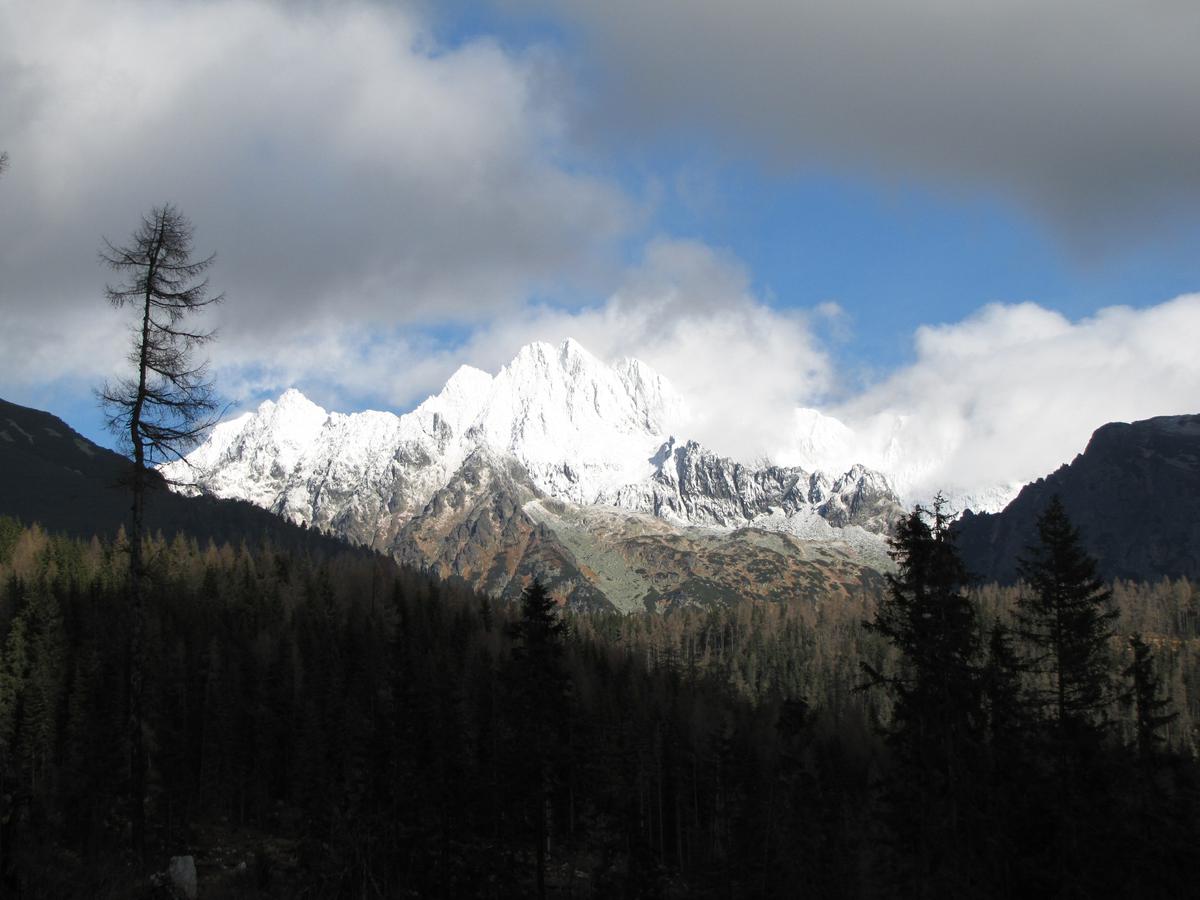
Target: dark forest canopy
{"points": [[349, 729]]}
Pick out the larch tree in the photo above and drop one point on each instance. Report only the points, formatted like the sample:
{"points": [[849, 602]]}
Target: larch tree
{"points": [[159, 411]]}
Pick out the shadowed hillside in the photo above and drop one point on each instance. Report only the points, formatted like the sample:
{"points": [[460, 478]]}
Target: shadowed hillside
{"points": [[51, 474], [1134, 493]]}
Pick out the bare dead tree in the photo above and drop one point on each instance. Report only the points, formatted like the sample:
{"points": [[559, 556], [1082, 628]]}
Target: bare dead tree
{"points": [[159, 412]]}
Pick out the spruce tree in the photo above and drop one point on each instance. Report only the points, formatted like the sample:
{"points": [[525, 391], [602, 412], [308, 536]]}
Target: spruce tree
{"points": [[1002, 692], [1064, 618], [1063, 614], [539, 685], [928, 617], [1149, 704], [937, 719]]}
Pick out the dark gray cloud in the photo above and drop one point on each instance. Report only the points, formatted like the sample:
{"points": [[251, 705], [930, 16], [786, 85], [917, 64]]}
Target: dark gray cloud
{"points": [[341, 164], [1086, 112]]}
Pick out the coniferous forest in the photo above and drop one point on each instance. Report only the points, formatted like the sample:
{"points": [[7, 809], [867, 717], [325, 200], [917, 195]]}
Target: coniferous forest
{"points": [[622, 450], [332, 725]]}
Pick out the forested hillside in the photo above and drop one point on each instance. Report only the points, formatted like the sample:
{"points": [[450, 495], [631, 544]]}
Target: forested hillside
{"points": [[332, 726]]}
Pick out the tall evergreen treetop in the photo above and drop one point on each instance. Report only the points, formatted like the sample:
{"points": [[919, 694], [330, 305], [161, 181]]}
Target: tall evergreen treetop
{"points": [[540, 685], [538, 675], [1064, 614], [540, 628], [937, 722], [929, 618]]}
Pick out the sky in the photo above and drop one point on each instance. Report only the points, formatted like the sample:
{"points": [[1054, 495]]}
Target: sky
{"points": [[968, 231]]}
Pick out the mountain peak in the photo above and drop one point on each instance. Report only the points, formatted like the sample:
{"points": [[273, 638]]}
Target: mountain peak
{"points": [[568, 355], [467, 384], [570, 346], [293, 400]]}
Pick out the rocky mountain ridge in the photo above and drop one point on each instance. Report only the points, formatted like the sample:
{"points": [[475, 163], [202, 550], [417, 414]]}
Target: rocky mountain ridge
{"points": [[556, 424]]}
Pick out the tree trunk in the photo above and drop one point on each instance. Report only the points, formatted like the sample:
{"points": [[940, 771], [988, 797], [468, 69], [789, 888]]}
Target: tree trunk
{"points": [[137, 652], [137, 612]]}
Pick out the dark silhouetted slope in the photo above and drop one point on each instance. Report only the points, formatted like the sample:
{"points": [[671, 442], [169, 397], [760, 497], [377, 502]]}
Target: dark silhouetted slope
{"points": [[52, 475], [1134, 493]]}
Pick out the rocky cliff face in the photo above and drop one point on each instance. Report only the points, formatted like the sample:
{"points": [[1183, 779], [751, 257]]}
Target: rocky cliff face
{"points": [[475, 528], [1134, 493], [693, 486]]}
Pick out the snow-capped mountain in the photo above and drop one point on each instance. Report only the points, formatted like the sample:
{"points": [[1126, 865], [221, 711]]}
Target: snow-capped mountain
{"points": [[693, 486], [577, 426], [557, 424], [583, 431]]}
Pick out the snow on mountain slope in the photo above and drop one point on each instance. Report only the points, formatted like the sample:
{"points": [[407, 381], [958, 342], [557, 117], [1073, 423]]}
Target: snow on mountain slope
{"points": [[578, 426], [693, 486], [585, 432], [248, 457]]}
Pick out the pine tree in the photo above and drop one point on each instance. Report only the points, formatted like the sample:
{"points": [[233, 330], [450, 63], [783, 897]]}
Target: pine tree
{"points": [[44, 686], [1002, 692], [1149, 704], [14, 672], [540, 685], [1063, 614], [928, 617], [1064, 619], [937, 722]]}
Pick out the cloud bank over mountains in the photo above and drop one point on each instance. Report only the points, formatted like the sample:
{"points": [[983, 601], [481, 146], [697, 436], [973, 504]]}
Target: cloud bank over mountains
{"points": [[997, 399], [387, 205], [1014, 390]]}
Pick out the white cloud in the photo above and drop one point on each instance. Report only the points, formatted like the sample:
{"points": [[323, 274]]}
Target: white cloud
{"points": [[1012, 392], [341, 163], [688, 312], [998, 399]]}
